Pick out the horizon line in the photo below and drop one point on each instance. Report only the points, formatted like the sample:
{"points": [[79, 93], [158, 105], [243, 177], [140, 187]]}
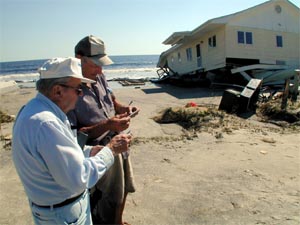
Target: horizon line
{"points": [[23, 60]]}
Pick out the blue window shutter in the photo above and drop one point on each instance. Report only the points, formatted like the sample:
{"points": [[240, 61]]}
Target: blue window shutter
{"points": [[241, 39], [279, 41], [249, 38]]}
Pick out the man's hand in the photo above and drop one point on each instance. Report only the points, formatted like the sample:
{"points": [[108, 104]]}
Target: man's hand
{"points": [[119, 123], [95, 150], [120, 143], [126, 110]]}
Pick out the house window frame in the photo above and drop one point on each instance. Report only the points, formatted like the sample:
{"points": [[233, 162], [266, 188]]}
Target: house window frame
{"points": [[245, 37], [212, 41], [249, 38], [241, 37], [189, 55], [279, 41], [179, 57]]}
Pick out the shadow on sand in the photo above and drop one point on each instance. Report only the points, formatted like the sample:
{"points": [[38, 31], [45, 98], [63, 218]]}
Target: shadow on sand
{"points": [[183, 92]]}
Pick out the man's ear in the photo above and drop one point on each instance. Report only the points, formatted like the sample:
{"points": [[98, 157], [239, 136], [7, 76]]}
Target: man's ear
{"points": [[56, 91], [78, 56]]}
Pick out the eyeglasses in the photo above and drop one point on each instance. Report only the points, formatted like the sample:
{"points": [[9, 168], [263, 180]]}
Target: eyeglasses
{"points": [[77, 89]]}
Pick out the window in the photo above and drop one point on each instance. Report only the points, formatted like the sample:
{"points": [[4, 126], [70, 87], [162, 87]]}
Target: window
{"points": [[198, 50], [249, 38], [198, 55], [280, 62], [212, 42], [245, 37], [179, 57], [241, 37], [189, 54], [279, 41]]}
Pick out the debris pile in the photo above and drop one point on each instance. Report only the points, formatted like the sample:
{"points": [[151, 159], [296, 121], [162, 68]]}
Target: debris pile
{"points": [[130, 82], [191, 116], [5, 118], [5, 138], [194, 117], [271, 112]]}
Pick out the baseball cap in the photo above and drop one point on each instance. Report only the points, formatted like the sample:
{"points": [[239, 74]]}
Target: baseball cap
{"points": [[93, 48], [62, 67]]}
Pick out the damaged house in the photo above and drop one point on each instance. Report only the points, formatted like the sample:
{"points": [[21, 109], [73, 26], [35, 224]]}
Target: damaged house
{"points": [[266, 34]]}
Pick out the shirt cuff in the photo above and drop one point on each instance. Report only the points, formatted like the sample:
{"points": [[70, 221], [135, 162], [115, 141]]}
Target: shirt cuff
{"points": [[106, 155], [87, 151]]}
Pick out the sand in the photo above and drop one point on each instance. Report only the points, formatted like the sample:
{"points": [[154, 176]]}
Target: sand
{"points": [[7, 86], [249, 174]]}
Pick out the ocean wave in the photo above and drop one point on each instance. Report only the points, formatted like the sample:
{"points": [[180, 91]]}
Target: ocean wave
{"points": [[131, 73], [20, 67], [21, 77], [130, 64], [129, 70]]}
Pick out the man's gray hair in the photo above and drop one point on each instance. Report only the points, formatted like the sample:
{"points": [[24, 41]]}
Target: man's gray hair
{"points": [[45, 85]]}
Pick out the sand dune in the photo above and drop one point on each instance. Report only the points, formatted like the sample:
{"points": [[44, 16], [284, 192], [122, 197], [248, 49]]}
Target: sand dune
{"points": [[245, 172]]}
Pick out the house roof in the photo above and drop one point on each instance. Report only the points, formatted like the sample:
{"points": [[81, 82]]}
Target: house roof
{"points": [[178, 37], [175, 37]]}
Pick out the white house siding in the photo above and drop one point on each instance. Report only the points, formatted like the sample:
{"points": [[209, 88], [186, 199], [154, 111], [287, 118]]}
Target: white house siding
{"points": [[264, 46], [289, 53], [235, 50], [212, 58], [173, 62], [265, 24], [184, 66], [263, 21], [265, 17]]}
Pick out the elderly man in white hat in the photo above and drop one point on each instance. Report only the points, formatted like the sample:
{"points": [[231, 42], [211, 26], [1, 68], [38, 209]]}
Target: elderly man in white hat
{"points": [[53, 169]]}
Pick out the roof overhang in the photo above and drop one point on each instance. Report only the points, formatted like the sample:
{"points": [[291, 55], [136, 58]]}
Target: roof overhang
{"points": [[204, 29], [176, 37], [180, 37]]}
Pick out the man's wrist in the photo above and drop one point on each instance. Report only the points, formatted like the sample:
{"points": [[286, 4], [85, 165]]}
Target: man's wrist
{"points": [[107, 155]]}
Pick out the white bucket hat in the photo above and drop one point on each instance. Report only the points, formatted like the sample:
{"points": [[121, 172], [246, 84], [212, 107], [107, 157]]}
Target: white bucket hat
{"points": [[62, 67]]}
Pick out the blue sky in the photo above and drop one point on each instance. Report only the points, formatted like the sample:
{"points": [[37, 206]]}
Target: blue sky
{"points": [[41, 29]]}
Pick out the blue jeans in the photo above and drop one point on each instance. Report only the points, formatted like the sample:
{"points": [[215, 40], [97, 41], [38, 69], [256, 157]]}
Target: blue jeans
{"points": [[77, 213]]}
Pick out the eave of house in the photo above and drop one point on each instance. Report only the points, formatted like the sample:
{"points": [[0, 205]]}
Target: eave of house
{"points": [[176, 37], [180, 37], [163, 56]]}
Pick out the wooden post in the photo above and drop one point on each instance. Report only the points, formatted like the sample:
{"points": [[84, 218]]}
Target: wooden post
{"points": [[285, 94], [296, 85]]}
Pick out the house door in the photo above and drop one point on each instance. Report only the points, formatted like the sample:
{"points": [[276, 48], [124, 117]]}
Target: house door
{"points": [[199, 58]]}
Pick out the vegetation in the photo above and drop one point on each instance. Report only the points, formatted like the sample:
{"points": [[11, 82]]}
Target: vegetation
{"points": [[209, 118], [191, 117], [5, 118]]}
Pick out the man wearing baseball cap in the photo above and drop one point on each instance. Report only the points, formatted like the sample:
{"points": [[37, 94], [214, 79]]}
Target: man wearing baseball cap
{"points": [[53, 169], [101, 116]]}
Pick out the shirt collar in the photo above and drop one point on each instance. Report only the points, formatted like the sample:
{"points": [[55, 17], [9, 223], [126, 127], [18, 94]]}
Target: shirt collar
{"points": [[56, 110]]}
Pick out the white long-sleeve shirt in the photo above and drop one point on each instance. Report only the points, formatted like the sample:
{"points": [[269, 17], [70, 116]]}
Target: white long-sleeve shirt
{"points": [[50, 163]]}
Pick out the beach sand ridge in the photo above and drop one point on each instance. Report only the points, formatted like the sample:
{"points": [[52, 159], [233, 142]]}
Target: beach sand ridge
{"points": [[245, 172]]}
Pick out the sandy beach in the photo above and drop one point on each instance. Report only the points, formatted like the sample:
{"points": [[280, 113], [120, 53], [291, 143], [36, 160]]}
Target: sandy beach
{"points": [[245, 172]]}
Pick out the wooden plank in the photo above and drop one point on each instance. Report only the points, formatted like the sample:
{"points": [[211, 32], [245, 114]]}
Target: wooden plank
{"points": [[128, 83], [257, 66]]}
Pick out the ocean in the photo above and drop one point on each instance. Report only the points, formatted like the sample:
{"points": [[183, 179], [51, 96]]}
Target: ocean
{"points": [[129, 66]]}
